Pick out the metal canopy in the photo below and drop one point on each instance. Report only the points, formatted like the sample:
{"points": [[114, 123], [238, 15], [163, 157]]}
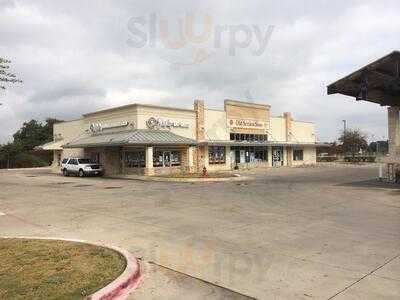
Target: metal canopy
{"points": [[131, 138], [378, 82]]}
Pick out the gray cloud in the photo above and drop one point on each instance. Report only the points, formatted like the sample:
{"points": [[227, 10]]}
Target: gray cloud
{"points": [[67, 90], [74, 57]]}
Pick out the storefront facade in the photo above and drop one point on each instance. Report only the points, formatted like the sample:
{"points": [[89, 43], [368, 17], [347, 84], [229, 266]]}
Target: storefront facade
{"points": [[151, 140], [245, 135]]}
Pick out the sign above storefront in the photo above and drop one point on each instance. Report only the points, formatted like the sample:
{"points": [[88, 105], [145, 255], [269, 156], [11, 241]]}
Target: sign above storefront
{"points": [[245, 123], [99, 127], [159, 123]]}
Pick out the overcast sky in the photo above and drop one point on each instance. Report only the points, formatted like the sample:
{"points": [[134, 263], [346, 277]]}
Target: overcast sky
{"points": [[79, 56]]}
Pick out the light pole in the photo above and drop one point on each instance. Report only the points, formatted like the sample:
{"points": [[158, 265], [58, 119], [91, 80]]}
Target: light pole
{"points": [[344, 135], [376, 142], [377, 148]]}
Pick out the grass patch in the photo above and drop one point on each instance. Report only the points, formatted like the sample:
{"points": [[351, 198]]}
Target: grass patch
{"points": [[199, 175], [51, 269]]}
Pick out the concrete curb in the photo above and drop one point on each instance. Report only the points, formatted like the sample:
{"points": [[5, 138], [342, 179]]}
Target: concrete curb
{"points": [[118, 289], [236, 177], [28, 169]]}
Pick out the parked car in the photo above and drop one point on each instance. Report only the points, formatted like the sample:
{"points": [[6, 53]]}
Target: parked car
{"points": [[81, 167]]}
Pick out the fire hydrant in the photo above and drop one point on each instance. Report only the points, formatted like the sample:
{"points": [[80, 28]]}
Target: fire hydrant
{"points": [[205, 174]]}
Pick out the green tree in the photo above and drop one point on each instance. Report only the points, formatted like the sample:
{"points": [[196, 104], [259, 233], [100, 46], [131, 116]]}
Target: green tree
{"points": [[5, 75], [19, 152], [8, 153], [48, 127], [353, 140], [379, 147], [34, 133], [30, 135]]}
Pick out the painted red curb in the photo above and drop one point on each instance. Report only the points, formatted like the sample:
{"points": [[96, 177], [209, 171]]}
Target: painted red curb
{"points": [[128, 281], [122, 286]]}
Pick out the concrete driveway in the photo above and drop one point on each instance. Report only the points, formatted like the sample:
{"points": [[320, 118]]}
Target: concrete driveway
{"points": [[303, 233]]}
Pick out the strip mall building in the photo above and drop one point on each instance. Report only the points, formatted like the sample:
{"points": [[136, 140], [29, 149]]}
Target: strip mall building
{"points": [[149, 139]]}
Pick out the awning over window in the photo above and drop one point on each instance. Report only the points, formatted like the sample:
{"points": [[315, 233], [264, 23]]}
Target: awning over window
{"points": [[54, 145], [127, 138]]}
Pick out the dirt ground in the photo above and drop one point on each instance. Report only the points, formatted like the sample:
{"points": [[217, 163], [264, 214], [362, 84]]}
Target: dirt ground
{"points": [[331, 232]]}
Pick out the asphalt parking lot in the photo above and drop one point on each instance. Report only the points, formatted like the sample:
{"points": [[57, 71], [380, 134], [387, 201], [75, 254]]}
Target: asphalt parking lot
{"points": [[303, 233]]}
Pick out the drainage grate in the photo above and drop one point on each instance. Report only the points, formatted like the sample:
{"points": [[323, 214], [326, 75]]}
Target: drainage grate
{"points": [[65, 182], [31, 175], [113, 187], [82, 185]]}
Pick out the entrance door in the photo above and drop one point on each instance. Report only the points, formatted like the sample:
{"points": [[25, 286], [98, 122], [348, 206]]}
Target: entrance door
{"points": [[237, 156], [242, 156], [233, 158], [277, 156], [167, 158]]}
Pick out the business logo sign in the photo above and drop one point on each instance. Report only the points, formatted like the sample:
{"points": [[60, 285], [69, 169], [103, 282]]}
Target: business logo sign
{"points": [[245, 123], [159, 123], [99, 127]]}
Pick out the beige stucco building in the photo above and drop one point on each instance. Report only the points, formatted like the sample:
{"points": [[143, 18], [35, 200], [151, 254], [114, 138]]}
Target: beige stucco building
{"points": [[150, 139]]}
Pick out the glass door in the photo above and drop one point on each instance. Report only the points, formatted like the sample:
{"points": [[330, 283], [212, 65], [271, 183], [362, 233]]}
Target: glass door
{"points": [[242, 156], [237, 156], [277, 156], [233, 157]]}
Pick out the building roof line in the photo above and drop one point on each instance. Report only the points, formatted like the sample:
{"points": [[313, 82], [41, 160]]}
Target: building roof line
{"points": [[135, 105], [245, 103]]}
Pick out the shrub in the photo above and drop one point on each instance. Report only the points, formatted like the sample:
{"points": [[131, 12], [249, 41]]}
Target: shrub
{"points": [[26, 160], [358, 159], [326, 158]]}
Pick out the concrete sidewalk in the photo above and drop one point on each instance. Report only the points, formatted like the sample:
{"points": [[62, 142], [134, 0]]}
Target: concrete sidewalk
{"points": [[235, 177]]}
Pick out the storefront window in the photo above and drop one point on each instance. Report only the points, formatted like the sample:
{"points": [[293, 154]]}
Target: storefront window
{"points": [[135, 159], [167, 158], [240, 137], [175, 158], [158, 159], [216, 155], [297, 154], [246, 154], [95, 157], [261, 154]]}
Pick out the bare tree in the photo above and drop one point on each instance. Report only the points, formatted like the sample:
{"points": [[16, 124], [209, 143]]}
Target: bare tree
{"points": [[5, 75]]}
